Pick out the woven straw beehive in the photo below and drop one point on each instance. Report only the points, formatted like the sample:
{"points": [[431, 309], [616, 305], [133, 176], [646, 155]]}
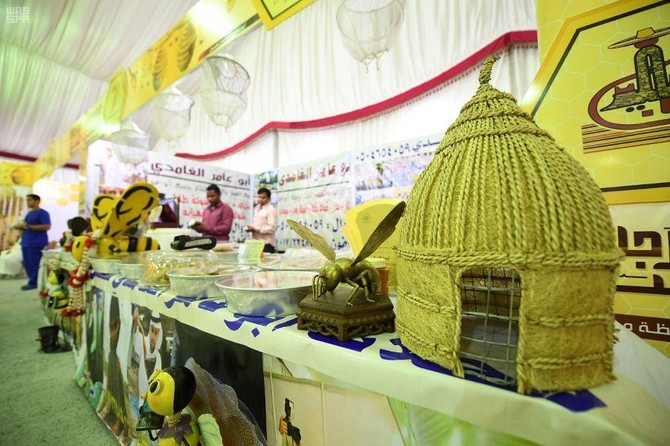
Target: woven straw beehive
{"points": [[500, 193]]}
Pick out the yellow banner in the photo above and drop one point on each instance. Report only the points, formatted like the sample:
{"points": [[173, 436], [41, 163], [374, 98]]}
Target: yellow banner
{"points": [[643, 291], [206, 28], [603, 92], [16, 174], [552, 14], [273, 12], [597, 95]]}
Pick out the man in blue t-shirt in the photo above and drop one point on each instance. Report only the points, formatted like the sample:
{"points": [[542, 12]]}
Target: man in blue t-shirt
{"points": [[34, 238]]}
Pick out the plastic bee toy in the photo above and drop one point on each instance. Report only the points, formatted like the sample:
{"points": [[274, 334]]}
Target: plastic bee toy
{"points": [[359, 273], [111, 219]]}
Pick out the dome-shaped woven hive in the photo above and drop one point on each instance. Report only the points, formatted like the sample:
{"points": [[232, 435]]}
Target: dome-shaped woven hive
{"points": [[500, 193]]}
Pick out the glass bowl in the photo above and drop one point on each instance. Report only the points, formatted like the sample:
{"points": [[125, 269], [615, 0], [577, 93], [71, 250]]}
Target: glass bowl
{"points": [[131, 270], [158, 263], [106, 266], [199, 282], [266, 293]]}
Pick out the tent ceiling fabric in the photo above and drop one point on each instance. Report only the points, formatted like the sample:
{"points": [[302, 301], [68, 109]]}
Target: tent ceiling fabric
{"points": [[56, 66]]}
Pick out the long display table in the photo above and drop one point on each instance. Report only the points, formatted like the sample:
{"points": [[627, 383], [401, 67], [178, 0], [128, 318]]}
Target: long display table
{"points": [[635, 409]]}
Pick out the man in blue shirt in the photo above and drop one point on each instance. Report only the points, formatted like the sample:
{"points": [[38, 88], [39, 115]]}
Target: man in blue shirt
{"points": [[34, 238]]}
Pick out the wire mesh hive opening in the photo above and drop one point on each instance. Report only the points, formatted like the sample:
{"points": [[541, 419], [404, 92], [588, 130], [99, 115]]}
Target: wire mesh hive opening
{"points": [[490, 301]]}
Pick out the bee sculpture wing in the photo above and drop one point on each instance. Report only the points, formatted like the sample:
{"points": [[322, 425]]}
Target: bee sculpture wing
{"points": [[313, 239], [383, 231], [130, 209], [102, 207]]}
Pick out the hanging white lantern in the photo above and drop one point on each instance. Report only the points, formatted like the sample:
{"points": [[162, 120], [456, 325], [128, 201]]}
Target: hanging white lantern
{"points": [[223, 93], [130, 143], [171, 113], [369, 27]]}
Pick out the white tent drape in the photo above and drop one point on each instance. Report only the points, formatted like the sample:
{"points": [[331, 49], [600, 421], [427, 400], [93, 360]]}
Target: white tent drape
{"points": [[56, 65], [301, 72]]}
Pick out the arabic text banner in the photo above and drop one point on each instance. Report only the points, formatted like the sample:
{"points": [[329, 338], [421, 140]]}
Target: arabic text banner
{"points": [[596, 93], [315, 194], [188, 180], [390, 171], [602, 93], [643, 291], [111, 171]]}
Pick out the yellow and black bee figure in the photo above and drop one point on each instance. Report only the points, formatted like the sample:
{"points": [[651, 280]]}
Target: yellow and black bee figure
{"points": [[57, 294], [169, 393], [114, 220], [111, 221], [359, 273]]}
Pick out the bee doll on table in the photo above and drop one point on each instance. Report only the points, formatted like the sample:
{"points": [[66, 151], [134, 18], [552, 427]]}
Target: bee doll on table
{"points": [[169, 393], [56, 292]]}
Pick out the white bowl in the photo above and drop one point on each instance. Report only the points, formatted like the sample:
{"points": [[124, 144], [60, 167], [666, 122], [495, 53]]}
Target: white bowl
{"points": [[131, 270], [107, 266], [200, 283], [266, 293]]}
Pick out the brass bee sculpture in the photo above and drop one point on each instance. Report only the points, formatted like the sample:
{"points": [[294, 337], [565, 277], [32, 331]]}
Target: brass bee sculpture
{"points": [[359, 273]]}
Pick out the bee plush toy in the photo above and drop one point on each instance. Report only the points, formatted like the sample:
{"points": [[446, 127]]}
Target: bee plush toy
{"points": [[56, 291], [169, 393], [112, 220]]}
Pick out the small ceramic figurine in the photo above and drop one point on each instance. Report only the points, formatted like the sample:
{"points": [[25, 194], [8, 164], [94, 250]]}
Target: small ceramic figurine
{"points": [[170, 391]]}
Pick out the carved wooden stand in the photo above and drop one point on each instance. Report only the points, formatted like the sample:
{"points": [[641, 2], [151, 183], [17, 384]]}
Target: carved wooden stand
{"points": [[330, 315]]}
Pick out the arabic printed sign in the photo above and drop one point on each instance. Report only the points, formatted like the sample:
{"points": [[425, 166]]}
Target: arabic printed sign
{"points": [[603, 93], [643, 292], [316, 195], [185, 181], [251, 251], [391, 170], [188, 180]]}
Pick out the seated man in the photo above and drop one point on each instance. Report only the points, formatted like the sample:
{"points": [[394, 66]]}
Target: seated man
{"points": [[11, 261]]}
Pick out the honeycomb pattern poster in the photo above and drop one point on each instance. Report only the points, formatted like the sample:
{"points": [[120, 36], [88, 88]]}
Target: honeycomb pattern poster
{"points": [[603, 92]]}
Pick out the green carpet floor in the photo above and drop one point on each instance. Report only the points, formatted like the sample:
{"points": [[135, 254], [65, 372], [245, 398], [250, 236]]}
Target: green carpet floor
{"points": [[40, 404]]}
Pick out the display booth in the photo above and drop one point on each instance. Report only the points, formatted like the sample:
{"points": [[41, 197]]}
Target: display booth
{"points": [[368, 390], [549, 206]]}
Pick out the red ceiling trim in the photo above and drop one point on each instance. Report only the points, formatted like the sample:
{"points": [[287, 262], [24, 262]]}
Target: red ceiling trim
{"points": [[501, 42], [30, 159]]}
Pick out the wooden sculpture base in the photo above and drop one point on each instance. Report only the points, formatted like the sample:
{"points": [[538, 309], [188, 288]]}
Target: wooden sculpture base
{"points": [[331, 316]]}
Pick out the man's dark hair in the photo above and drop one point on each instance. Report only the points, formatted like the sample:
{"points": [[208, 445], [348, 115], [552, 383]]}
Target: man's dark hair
{"points": [[215, 188], [34, 197], [265, 190]]}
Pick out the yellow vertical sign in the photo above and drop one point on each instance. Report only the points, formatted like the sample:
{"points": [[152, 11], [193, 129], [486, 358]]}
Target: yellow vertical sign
{"points": [[603, 92]]}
